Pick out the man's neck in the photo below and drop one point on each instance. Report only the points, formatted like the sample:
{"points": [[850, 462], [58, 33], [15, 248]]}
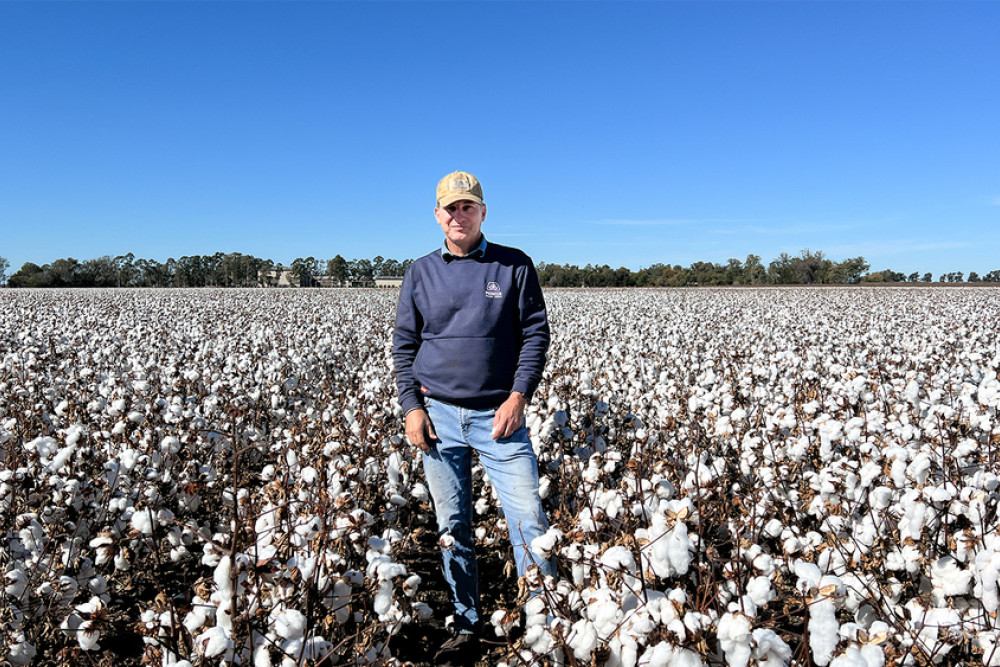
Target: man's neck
{"points": [[462, 252]]}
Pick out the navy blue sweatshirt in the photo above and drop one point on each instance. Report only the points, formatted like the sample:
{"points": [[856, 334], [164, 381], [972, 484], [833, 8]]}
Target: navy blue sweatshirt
{"points": [[470, 330]]}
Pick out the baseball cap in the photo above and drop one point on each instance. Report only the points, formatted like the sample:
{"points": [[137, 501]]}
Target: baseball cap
{"points": [[459, 185]]}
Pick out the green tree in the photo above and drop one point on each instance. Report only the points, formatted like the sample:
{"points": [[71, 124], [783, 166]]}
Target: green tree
{"points": [[928, 277], [337, 269], [29, 275], [304, 270], [363, 270], [851, 270], [754, 272]]}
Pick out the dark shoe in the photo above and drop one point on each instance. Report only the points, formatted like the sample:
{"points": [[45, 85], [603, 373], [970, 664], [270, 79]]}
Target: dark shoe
{"points": [[462, 650]]}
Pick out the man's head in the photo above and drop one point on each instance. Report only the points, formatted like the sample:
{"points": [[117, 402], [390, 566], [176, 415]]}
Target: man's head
{"points": [[460, 211]]}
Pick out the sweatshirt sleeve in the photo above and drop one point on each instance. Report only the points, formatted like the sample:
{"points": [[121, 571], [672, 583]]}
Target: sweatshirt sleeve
{"points": [[405, 344], [535, 333]]}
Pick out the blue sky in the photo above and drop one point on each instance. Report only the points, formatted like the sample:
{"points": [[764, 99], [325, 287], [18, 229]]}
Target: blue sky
{"points": [[620, 133]]}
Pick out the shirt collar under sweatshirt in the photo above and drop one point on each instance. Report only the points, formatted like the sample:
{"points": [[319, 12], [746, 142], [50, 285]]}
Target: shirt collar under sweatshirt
{"points": [[477, 252]]}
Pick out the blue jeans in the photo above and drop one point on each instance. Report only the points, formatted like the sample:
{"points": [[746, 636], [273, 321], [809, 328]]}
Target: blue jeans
{"points": [[513, 471]]}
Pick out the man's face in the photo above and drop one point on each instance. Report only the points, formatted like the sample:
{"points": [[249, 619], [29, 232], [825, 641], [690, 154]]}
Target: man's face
{"points": [[461, 222]]}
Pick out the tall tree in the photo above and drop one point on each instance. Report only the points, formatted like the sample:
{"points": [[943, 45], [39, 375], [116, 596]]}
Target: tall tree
{"points": [[4, 265], [337, 269]]}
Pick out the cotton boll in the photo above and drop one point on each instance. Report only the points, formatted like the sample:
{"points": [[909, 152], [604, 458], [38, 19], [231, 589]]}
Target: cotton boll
{"points": [[17, 582], [544, 544], [502, 621], [88, 636], [213, 642], [948, 578], [21, 653], [142, 521], [734, 637], [760, 591], [289, 623], [769, 649], [823, 630]]}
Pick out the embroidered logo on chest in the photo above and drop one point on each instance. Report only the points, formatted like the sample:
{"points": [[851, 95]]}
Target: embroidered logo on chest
{"points": [[493, 290]]}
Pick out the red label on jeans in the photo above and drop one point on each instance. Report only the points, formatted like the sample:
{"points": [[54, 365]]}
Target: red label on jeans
{"points": [[423, 389]]}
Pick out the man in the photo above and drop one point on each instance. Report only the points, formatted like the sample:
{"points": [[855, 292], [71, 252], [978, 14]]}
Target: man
{"points": [[469, 348]]}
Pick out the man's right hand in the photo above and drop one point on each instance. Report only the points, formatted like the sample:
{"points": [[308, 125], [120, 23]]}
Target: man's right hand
{"points": [[420, 430]]}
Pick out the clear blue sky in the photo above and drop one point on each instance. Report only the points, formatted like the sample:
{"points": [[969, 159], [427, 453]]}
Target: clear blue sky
{"points": [[613, 133]]}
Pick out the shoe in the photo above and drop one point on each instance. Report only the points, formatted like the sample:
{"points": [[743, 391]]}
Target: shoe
{"points": [[462, 650]]}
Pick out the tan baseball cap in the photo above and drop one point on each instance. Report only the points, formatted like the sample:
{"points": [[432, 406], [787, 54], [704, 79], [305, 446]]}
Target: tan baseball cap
{"points": [[459, 185]]}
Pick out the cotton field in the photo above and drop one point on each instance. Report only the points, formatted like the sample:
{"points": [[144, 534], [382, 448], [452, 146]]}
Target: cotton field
{"points": [[733, 476]]}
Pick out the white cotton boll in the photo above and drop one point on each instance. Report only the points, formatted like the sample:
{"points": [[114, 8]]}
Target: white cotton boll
{"points": [[808, 575], [262, 653], [88, 636], [308, 476], [502, 621], [773, 528], [213, 642], [419, 491], [734, 639], [313, 650], [852, 657], [680, 549], [17, 582], [221, 576], [383, 598], [386, 571], [989, 642], [21, 653], [586, 521], [197, 617], [170, 445], [949, 578], [544, 544], [289, 623], [760, 591], [987, 573], [61, 458], [142, 521], [423, 610], [769, 649], [823, 630], [582, 639], [412, 585], [544, 487]]}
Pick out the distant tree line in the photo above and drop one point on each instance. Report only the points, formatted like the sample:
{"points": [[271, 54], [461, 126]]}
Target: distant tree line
{"points": [[218, 270], [238, 270], [808, 268]]}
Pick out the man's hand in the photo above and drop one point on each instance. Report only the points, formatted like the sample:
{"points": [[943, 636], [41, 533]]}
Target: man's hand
{"points": [[509, 416], [420, 430]]}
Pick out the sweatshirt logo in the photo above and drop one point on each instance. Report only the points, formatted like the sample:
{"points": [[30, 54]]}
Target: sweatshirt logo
{"points": [[493, 290]]}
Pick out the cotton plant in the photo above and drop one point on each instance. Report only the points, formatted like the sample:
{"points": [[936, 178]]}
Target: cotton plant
{"points": [[267, 459]]}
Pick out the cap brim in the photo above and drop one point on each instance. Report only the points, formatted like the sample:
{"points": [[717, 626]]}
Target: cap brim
{"points": [[459, 196]]}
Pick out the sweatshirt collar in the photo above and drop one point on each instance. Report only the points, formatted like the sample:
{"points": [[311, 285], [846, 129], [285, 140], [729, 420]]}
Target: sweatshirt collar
{"points": [[476, 253]]}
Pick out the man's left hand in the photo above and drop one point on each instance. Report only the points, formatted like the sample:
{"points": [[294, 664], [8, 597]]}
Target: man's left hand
{"points": [[509, 416]]}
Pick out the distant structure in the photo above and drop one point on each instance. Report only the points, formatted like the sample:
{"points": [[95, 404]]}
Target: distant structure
{"points": [[282, 276], [279, 276]]}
